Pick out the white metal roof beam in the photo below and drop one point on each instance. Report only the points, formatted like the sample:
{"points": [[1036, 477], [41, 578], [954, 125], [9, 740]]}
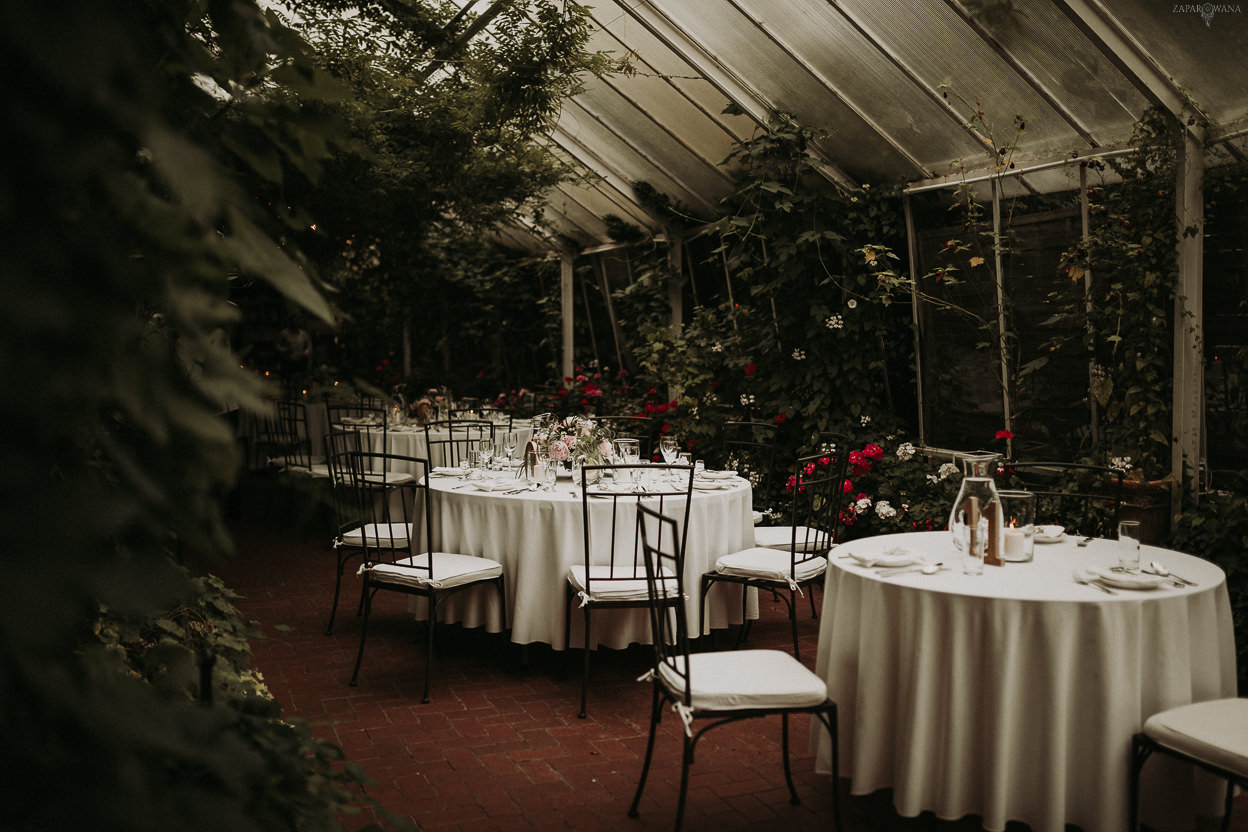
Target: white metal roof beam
{"points": [[980, 139], [630, 209], [1125, 52], [1023, 73], [690, 194], [831, 87], [732, 87]]}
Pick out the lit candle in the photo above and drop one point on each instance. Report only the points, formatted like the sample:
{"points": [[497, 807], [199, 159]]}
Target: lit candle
{"points": [[1014, 541]]}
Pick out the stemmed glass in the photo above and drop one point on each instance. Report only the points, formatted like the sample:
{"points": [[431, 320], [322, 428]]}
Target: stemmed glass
{"points": [[485, 451], [511, 441], [669, 449]]}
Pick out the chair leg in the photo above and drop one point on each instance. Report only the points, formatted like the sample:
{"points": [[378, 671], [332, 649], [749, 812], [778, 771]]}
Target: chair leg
{"points": [[585, 668], [797, 653], [1230, 805], [333, 610], [433, 616], [834, 730], [686, 762], [1140, 754], [368, 607], [656, 714], [814, 613], [784, 749]]}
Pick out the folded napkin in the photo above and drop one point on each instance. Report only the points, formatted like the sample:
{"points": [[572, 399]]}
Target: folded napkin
{"points": [[896, 556], [493, 485], [446, 471]]}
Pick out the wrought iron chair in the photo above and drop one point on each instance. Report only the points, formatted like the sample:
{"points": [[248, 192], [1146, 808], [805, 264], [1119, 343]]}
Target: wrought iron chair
{"points": [[1086, 499], [814, 510], [719, 687], [398, 555], [350, 519], [610, 574], [750, 450], [1210, 735], [450, 440]]}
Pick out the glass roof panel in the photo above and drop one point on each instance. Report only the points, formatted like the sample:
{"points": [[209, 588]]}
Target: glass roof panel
{"points": [[1207, 60], [782, 83], [940, 48], [653, 56], [852, 63], [701, 180]]}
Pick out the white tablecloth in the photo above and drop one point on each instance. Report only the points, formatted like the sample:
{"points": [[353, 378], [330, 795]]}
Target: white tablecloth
{"points": [[1014, 695], [537, 536]]}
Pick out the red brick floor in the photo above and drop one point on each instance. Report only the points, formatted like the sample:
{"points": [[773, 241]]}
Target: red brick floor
{"points": [[500, 746]]}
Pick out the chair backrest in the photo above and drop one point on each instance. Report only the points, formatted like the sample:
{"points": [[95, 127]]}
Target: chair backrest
{"points": [[1086, 499], [640, 428], [502, 419], [399, 522], [750, 450], [450, 440], [346, 412], [836, 447], [292, 420], [663, 554], [816, 501], [348, 508], [610, 511]]}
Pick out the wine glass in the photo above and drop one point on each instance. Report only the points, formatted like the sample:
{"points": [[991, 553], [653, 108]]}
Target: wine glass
{"points": [[669, 449], [511, 441], [485, 452]]}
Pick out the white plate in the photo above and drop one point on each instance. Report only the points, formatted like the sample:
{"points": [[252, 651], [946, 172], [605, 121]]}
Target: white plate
{"points": [[719, 475], [445, 471], [1050, 534], [494, 485], [703, 485], [896, 556], [1127, 580]]}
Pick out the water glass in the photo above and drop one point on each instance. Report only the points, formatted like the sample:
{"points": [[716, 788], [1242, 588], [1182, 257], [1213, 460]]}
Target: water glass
{"points": [[550, 472], [1018, 525], [1129, 545]]}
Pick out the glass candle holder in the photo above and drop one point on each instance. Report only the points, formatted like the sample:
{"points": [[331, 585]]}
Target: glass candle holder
{"points": [[1018, 525]]}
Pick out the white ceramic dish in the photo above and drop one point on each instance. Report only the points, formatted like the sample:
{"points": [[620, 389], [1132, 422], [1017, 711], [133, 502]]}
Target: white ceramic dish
{"points": [[1127, 580], [1050, 534]]}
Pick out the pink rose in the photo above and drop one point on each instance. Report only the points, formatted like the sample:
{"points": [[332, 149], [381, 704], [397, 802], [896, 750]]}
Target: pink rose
{"points": [[605, 449], [558, 451]]}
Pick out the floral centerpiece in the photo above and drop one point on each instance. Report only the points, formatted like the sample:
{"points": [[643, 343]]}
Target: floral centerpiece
{"points": [[574, 439]]}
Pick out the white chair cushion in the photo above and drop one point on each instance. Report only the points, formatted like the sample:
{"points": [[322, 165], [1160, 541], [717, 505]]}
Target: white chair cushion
{"points": [[606, 588], [1215, 732], [389, 477], [742, 679], [769, 564], [448, 570], [781, 537], [318, 469], [389, 535]]}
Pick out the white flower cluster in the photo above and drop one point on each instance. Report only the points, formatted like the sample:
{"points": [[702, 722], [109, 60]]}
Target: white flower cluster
{"points": [[862, 505], [866, 420], [835, 322], [799, 355], [905, 451], [885, 510], [717, 347], [746, 400], [1121, 463], [943, 472]]}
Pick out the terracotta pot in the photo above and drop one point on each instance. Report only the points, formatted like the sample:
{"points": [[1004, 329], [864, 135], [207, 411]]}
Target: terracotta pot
{"points": [[1148, 502]]}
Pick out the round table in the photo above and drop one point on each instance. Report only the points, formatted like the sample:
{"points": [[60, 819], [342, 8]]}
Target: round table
{"points": [[538, 536], [1014, 694]]}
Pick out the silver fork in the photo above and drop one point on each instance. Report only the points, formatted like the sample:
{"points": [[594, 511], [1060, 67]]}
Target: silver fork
{"points": [[1081, 578]]}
